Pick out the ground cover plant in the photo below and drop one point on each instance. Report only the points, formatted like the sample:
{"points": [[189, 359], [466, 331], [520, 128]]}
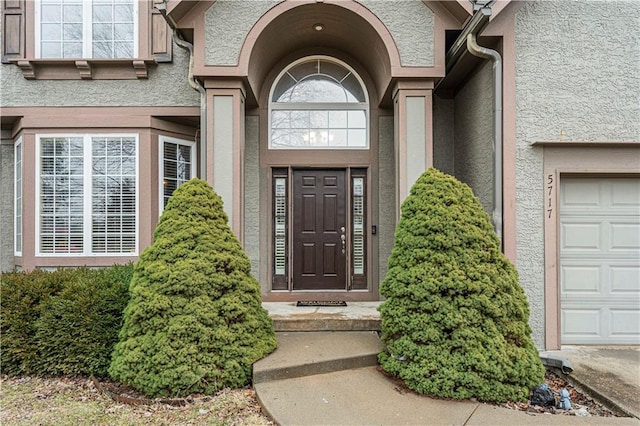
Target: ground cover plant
{"points": [[195, 322], [455, 319]]}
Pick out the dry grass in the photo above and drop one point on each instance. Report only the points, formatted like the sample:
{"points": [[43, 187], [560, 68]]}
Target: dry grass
{"points": [[65, 401]]}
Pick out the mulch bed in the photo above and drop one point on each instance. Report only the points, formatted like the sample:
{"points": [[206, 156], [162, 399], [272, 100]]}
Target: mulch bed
{"points": [[555, 382]]}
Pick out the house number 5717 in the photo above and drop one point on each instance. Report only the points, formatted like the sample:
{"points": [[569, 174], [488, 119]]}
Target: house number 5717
{"points": [[549, 196]]}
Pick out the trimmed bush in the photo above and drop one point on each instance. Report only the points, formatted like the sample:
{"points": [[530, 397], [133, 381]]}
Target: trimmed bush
{"points": [[64, 322], [455, 319], [78, 329], [23, 296], [195, 322]]}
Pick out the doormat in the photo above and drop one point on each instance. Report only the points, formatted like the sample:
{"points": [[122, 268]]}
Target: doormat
{"points": [[321, 303]]}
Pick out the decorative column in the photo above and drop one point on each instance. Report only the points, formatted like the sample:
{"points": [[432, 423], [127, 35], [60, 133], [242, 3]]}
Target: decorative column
{"points": [[413, 114], [225, 147]]}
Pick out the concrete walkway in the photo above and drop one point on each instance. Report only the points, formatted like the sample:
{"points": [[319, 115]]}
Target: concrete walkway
{"points": [[331, 378]]}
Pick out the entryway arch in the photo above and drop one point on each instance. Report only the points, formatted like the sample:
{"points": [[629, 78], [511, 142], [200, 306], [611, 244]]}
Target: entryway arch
{"points": [[341, 25]]}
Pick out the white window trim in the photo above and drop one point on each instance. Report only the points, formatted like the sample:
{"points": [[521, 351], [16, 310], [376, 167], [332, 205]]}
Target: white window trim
{"points": [[88, 189], [360, 106], [87, 30], [194, 162], [18, 236]]}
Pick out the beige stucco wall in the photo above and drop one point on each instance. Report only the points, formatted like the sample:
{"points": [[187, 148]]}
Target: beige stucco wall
{"points": [[473, 134], [409, 22], [252, 192], [577, 67], [6, 201], [166, 86], [443, 134], [387, 195]]}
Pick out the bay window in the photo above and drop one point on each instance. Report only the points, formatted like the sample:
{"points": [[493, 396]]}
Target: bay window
{"points": [[88, 195], [86, 28]]}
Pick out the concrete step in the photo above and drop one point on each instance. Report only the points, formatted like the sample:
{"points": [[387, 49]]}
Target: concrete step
{"points": [[356, 316], [302, 354]]}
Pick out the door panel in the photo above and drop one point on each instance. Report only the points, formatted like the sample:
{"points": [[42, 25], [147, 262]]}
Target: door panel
{"points": [[319, 216]]}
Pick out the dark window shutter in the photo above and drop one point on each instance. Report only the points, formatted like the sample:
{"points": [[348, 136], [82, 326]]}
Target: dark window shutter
{"points": [[161, 40], [13, 28]]}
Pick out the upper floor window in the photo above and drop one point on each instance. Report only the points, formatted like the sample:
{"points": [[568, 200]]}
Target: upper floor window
{"points": [[318, 102], [86, 28]]}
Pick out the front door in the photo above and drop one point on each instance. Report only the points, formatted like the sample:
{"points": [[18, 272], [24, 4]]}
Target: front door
{"points": [[319, 230]]}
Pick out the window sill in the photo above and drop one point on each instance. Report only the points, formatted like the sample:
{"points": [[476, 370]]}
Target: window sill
{"points": [[85, 69]]}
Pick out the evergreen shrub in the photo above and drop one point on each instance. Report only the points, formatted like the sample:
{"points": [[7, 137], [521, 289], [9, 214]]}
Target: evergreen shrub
{"points": [[64, 322], [455, 319], [22, 298], [78, 329], [195, 322]]}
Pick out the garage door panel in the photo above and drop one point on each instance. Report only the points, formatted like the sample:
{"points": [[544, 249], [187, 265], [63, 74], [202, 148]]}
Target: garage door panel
{"points": [[580, 279], [581, 236], [581, 322], [624, 236], [625, 279], [625, 193], [581, 194], [600, 260], [624, 323]]}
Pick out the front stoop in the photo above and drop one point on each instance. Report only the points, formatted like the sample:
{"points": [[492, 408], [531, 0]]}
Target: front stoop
{"points": [[301, 354], [357, 316]]}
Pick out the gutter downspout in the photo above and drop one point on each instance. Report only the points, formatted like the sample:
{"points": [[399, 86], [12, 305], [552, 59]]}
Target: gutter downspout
{"points": [[194, 83], [486, 53], [476, 24]]}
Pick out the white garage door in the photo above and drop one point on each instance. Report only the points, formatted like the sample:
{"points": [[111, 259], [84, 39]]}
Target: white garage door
{"points": [[600, 260]]}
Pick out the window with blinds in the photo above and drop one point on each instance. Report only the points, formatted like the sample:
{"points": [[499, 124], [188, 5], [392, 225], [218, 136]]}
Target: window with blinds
{"points": [[178, 159], [18, 198], [88, 195]]}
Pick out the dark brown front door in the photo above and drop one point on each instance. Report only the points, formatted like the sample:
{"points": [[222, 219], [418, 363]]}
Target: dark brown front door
{"points": [[319, 221]]}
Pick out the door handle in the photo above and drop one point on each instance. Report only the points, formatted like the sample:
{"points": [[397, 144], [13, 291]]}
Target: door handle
{"points": [[343, 239]]}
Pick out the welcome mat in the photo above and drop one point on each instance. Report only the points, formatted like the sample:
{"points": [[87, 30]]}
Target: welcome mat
{"points": [[321, 303]]}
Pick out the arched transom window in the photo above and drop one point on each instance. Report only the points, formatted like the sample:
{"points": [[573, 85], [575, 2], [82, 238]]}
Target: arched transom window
{"points": [[318, 102]]}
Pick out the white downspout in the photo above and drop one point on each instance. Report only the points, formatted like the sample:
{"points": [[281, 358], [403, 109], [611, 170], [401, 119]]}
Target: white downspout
{"points": [[486, 53], [194, 83]]}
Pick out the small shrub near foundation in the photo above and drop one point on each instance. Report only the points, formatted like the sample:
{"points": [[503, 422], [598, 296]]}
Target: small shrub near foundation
{"points": [[64, 322], [455, 319], [195, 322]]}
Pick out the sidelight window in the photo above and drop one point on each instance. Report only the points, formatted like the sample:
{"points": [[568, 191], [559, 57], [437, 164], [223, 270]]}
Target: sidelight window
{"points": [[318, 103], [280, 217]]}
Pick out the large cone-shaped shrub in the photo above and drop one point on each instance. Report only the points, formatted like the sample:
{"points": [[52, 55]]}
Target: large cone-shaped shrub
{"points": [[195, 322], [455, 319]]}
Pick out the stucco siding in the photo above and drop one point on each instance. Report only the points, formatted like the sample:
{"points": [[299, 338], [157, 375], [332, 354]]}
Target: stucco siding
{"points": [[411, 24], [227, 24], [443, 134], [577, 67], [252, 193], [166, 86], [6, 203], [387, 193], [473, 133]]}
